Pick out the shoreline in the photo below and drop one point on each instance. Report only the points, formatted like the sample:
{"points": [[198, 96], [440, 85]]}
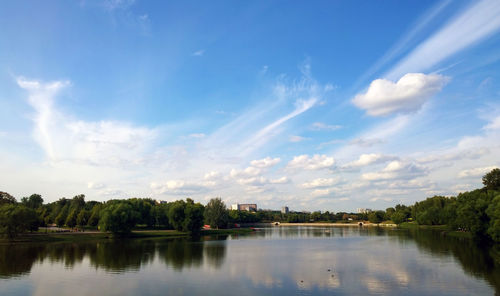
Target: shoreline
{"points": [[335, 224]]}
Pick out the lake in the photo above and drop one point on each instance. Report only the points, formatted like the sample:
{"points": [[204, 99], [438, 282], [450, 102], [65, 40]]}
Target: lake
{"points": [[270, 261]]}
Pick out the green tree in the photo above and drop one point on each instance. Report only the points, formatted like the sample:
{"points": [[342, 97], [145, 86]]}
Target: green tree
{"points": [[71, 219], [94, 216], [389, 212], [493, 212], [471, 213], [216, 213], [118, 218], [176, 214], [376, 217], [398, 217], [193, 216], [34, 201], [6, 198], [160, 215], [61, 217], [492, 180], [16, 219], [144, 207], [78, 202], [82, 218]]}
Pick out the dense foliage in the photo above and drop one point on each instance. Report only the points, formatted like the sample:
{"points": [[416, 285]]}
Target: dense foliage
{"points": [[476, 212], [216, 213], [116, 216]]}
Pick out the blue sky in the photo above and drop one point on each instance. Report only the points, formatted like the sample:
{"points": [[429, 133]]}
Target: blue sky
{"points": [[319, 105]]}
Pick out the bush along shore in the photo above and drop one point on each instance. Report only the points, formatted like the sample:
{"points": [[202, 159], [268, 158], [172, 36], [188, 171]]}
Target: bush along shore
{"points": [[474, 214]]}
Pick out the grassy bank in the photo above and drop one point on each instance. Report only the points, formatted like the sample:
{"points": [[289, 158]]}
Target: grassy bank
{"points": [[75, 237]]}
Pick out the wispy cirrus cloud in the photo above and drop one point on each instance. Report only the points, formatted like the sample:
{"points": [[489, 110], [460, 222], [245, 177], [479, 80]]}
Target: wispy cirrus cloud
{"points": [[474, 23]]}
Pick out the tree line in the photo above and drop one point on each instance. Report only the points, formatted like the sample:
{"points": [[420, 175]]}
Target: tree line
{"points": [[116, 216], [477, 212]]}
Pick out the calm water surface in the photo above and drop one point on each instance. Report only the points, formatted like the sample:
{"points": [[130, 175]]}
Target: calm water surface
{"points": [[272, 261]]}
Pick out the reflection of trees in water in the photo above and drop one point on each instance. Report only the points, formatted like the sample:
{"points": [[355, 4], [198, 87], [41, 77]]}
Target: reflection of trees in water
{"points": [[122, 255], [16, 260], [69, 254], [113, 256], [474, 258], [215, 253], [181, 253]]}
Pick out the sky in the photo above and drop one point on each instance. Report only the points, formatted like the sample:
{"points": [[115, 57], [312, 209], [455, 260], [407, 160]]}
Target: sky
{"points": [[317, 105]]}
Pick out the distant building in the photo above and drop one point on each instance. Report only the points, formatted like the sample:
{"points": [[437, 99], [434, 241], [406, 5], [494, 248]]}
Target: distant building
{"points": [[284, 210], [363, 210], [244, 207]]}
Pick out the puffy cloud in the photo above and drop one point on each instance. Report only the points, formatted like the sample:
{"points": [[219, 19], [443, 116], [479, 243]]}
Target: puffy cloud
{"points": [[248, 172], [408, 94], [282, 180], [259, 181], [265, 162], [367, 159], [475, 172], [180, 187], [321, 182], [212, 175], [396, 170], [494, 124], [316, 162]]}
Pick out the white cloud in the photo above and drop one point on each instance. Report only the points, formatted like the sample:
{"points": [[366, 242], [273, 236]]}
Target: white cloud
{"points": [[212, 175], [322, 126], [316, 162], [473, 24], [180, 187], [494, 124], [66, 139], [368, 159], [266, 133], [265, 162], [384, 97], [282, 180], [475, 172], [321, 182], [396, 170], [248, 172], [260, 181]]}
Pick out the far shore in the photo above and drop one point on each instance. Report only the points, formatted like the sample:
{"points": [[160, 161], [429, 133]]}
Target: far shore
{"points": [[360, 224], [356, 224]]}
